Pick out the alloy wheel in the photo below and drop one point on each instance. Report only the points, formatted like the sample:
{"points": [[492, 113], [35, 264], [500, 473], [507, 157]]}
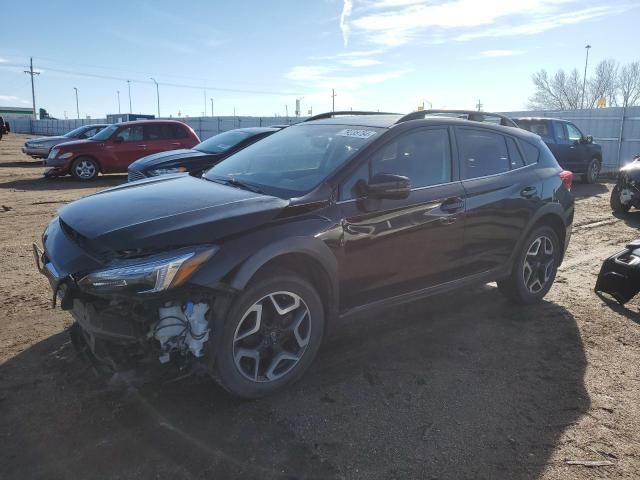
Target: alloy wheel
{"points": [[594, 171], [538, 264], [85, 169], [272, 337]]}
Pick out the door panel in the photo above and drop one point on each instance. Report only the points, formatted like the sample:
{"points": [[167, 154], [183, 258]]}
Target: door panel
{"points": [[499, 203], [129, 150], [391, 247]]}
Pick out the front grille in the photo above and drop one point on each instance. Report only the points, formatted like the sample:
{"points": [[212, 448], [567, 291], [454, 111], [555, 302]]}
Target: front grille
{"points": [[135, 175]]}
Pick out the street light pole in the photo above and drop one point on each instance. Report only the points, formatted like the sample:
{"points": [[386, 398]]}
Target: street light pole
{"points": [[77, 108], [157, 95], [584, 78], [129, 86], [211, 106], [118, 92]]}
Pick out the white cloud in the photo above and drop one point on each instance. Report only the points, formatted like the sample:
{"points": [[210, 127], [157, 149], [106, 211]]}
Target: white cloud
{"points": [[347, 8], [305, 73], [396, 22], [9, 98], [2, 60], [360, 62], [500, 53]]}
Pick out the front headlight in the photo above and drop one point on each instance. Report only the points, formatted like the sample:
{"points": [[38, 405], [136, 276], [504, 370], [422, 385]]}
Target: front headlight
{"points": [[148, 274], [167, 171]]}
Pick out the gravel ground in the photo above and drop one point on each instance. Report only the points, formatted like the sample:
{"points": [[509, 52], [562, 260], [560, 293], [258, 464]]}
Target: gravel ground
{"points": [[462, 386]]}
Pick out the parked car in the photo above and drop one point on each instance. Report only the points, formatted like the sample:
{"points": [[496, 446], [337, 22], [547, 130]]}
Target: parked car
{"points": [[116, 147], [40, 147], [199, 158], [241, 271], [626, 191], [573, 150]]}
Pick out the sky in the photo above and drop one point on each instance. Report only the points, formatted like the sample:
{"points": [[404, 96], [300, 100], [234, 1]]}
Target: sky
{"points": [[256, 57]]}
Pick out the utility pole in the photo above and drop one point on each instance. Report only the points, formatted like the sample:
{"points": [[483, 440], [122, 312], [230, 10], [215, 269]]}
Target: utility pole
{"points": [[286, 111], [333, 100], [33, 90], [157, 95], [204, 111], [77, 108], [211, 106], [479, 105], [118, 92], [129, 87], [584, 78]]}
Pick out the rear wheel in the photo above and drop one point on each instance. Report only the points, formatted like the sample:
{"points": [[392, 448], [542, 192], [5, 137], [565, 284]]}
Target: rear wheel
{"points": [[85, 168], [534, 269], [615, 201], [271, 334], [593, 171]]}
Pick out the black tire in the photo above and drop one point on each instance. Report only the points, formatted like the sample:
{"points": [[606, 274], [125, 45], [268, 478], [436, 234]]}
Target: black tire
{"points": [[233, 370], [616, 205], [515, 286], [85, 168], [593, 171]]}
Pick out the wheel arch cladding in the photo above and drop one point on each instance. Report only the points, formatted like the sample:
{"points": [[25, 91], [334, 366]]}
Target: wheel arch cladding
{"points": [[554, 221], [309, 257]]}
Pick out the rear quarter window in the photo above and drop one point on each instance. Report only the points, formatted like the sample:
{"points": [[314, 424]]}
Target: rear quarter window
{"points": [[531, 152]]}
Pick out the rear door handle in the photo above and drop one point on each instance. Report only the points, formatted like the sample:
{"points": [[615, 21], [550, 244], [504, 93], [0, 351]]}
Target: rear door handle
{"points": [[452, 205], [176, 144], [142, 146], [528, 192]]}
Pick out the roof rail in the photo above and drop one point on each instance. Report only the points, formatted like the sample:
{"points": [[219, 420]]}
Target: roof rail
{"points": [[472, 115], [322, 116]]}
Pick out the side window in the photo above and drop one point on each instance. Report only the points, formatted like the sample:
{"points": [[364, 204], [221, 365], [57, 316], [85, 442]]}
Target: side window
{"points": [[424, 156], [481, 153], [157, 132], [176, 131], [515, 158], [131, 134], [531, 152], [574, 134], [561, 131]]}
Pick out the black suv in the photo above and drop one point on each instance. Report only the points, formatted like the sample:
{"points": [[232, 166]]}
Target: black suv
{"points": [[242, 271], [573, 150]]}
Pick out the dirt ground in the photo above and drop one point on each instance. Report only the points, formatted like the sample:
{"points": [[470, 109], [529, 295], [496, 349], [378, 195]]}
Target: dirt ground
{"points": [[465, 386]]}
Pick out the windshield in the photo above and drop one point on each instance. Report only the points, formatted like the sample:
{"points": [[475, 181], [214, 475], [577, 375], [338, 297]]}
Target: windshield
{"points": [[222, 142], [75, 132], [105, 133], [293, 161]]}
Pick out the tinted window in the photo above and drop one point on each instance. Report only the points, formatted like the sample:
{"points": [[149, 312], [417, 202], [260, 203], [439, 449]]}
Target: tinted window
{"points": [[561, 131], [481, 153], [178, 131], [574, 133], [424, 156], [222, 142], [515, 158], [531, 152], [131, 134], [539, 127], [157, 132]]}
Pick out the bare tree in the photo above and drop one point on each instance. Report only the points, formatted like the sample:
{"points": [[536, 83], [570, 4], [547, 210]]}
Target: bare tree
{"points": [[603, 84], [629, 84], [560, 92]]}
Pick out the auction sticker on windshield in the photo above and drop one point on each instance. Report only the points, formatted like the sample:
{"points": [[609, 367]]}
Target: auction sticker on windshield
{"points": [[350, 132]]}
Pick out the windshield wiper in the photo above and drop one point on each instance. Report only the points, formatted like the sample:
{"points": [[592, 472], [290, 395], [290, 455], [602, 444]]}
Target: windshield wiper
{"points": [[236, 183]]}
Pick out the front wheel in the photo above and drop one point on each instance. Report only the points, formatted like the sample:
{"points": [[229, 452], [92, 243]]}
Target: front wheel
{"points": [[271, 334], [534, 269], [593, 171], [616, 202], [85, 168]]}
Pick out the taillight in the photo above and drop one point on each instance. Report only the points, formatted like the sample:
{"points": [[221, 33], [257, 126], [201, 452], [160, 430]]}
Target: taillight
{"points": [[567, 178]]}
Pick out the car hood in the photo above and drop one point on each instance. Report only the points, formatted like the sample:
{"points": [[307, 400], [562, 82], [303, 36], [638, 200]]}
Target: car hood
{"points": [[75, 144], [165, 158], [165, 212], [36, 141]]}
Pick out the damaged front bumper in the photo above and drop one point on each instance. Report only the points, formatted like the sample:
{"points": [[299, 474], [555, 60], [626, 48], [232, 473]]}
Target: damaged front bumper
{"points": [[620, 274]]}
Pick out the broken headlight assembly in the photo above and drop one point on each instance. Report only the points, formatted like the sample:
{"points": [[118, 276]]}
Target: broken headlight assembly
{"points": [[151, 274]]}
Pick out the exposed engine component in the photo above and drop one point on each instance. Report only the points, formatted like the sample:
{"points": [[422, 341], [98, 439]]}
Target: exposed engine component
{"points": [[181, 328]]}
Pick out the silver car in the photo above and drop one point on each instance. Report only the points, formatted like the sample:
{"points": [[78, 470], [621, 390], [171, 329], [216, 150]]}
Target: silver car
{"points": [[40, 147]]}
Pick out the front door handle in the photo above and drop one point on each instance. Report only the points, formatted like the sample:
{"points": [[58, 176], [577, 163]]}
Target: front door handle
{"points": [[141, 146], [176, 144], [452, 205], [528, 192]]}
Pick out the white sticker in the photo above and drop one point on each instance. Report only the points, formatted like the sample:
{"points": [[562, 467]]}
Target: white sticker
{"points": [[351, 132]]}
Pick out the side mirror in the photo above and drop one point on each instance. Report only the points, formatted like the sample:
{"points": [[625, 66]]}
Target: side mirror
{"points": [[589, 138], [387, 185], [118, 140]]}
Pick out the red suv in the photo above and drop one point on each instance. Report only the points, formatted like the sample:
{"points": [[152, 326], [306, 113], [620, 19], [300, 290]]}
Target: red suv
{"points": [[113, 149]]}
